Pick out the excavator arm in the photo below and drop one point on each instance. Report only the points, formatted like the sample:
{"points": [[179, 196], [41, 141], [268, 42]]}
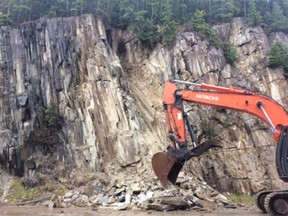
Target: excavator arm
{"points": [[168, 165], [263, 107]]}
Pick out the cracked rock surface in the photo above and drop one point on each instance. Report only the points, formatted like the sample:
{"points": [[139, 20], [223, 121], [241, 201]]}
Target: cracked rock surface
{"points": [[73, 106]]}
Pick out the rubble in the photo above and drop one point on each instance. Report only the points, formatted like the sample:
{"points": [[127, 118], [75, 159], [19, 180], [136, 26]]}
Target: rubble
{"points": [[189, 194]]}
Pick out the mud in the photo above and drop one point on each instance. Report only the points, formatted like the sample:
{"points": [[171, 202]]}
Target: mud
{"points": [[76, 211]]}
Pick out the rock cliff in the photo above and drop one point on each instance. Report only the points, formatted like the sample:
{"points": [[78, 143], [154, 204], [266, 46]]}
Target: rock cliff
{"points": [[78, 99]]}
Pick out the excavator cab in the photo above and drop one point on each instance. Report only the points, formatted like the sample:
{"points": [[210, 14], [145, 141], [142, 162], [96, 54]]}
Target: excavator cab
{"points": [[276, 202]]}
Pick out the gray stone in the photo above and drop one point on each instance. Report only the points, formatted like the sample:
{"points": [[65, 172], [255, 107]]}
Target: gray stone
{"points": [[142, 198], [135, 187], [160, 207], [22, 100], [149, 194], [127, 199], [178, 202], [119, 191], [104, 200], [51, 204], [84, 198], [68, 194], [230, 205], [121, 206], [121, 198]]}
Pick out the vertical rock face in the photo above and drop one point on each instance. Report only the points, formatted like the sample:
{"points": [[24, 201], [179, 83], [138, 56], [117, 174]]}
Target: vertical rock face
{"points": [[71, 102], [67, 67], [245, 164]]}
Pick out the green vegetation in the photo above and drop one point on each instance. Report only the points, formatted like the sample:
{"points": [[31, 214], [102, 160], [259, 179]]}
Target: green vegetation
{"points": [[147, 33], [153, 20], [18, 193], [54, 188], [199, 24], [230, 53], [278, 57], [209, 131], [51, 116], [242, 199], [4, 19], [279, 20], [156, 21], [226, 123], [254, 16], [169, 27]]}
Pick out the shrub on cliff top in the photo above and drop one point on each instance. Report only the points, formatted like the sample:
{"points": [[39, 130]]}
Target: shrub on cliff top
{"points": [[199, 24]]}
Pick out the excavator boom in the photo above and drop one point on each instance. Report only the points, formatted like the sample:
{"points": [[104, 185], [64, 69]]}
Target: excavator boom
{"points": [[167, 165]]}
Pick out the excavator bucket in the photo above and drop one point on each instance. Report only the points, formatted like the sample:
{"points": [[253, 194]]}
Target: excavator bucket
{"points": [[167, 165]]}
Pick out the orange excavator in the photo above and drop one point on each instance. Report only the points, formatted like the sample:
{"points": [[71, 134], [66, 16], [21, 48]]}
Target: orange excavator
{"points": [[167, 165]]}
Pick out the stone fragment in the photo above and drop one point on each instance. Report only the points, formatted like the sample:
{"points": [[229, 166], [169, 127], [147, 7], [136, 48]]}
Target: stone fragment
{"points": [[22, 100], [127, 199], [111, 200], [84, 198], [231, 205], [149, 194], [121, 206], [136, 188], [142, 198], [51, 204], [119, 191], [121, 198], [159, 207], [222, 198], [68, 194], [178, 202], [111, 191], [104, 200]]}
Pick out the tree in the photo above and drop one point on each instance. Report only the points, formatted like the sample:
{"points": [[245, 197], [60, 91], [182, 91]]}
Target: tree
{"points": [[4, 19], [20, 10], [279, 21], [284, 6], [230, 53], [245, 8], [254, 17], [278, 56], [169, 27], [77, 7], [199, 24], [225, 10], [147, 33]]}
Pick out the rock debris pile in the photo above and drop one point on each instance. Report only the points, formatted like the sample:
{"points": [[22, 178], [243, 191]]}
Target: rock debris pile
{"points": [[147, 194]]}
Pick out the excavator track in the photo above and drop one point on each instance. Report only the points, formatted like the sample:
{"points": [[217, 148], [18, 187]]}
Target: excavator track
{"points": [[276, 203], [260, 199]]}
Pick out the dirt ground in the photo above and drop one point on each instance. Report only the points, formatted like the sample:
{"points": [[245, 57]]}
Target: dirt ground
{"points": [[76, 211]]}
